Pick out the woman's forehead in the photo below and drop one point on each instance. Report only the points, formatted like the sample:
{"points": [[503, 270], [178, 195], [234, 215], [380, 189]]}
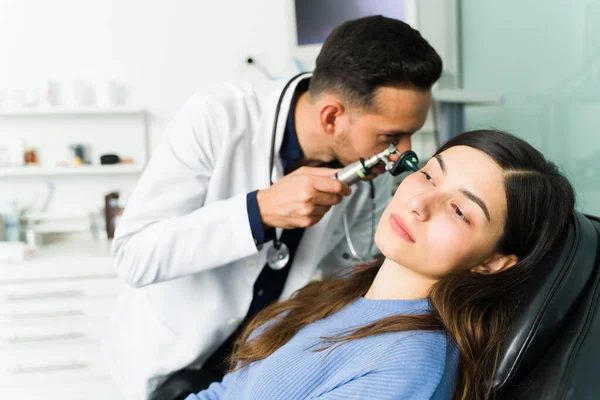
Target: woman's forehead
{"points": [[465, 159], [473, 170]]}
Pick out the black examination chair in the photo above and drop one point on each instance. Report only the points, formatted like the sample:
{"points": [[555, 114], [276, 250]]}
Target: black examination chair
{"points": [[553, 350]]}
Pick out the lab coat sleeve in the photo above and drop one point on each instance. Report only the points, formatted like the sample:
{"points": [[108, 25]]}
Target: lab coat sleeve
{"points": [[166, 230]]}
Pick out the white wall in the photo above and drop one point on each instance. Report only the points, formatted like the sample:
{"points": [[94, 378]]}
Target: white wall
{"points": [[163, 51]]}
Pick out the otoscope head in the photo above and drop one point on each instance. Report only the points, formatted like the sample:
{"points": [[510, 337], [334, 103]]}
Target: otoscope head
{"points": [[407, 161], [354, 172]]}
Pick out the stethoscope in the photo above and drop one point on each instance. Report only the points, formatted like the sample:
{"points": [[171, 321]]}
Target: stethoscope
{"points": [[278, 255]]}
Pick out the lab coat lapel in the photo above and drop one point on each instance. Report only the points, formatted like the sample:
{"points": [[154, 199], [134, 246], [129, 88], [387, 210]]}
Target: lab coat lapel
{"points": [[268, 120], [263, 146], [313, 247]]}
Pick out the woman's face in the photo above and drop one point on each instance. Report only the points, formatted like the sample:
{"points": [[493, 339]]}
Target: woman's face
{"points": [[447, 217]]}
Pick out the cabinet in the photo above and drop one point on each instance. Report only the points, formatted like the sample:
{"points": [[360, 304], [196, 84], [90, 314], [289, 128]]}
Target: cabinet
{"points": [[54, 309]]}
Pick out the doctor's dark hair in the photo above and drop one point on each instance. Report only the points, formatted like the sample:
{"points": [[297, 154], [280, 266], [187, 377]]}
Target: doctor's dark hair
{"points": [[474, 309], [362, 55]]}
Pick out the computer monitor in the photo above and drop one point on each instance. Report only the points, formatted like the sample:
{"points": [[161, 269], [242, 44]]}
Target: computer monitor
{"points": [[315, 19]]}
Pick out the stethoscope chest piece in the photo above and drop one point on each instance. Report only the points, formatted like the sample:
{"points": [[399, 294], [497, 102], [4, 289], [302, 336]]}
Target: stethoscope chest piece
{"points": [[277, 258]]}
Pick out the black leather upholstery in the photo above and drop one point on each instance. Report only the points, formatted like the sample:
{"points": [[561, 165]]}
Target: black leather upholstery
{"points": [[553, 349]]}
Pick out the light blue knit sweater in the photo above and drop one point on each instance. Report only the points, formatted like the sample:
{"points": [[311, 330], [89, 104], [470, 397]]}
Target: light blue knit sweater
{"points": [[411, 365]]}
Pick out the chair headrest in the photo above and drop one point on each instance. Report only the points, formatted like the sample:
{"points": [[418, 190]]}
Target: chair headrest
{"points": [[550, 295]]}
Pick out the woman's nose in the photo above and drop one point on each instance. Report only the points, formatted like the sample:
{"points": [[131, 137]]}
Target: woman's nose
{"points": [[423, 205]]}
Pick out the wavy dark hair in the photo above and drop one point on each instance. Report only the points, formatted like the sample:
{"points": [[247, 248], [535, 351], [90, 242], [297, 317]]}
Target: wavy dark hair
{"points": [[364, 54], [474, 309]]}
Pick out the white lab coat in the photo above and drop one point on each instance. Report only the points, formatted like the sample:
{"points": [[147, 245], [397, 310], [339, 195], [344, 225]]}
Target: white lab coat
{"points": [[184, 244]]}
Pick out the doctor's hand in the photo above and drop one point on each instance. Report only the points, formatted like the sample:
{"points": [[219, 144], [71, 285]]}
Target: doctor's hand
{"points": [[301, 198]]}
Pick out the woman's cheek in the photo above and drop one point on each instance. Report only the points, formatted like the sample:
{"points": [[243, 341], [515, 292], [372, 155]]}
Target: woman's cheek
{"points": [[407, 187], [385, 240], [445, 240]]}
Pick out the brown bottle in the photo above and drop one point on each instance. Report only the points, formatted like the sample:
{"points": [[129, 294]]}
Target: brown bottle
{"points": [[111, 208]]}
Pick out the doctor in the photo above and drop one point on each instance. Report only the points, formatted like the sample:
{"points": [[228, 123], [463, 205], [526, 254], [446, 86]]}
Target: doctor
{"points": [[193, 242]]}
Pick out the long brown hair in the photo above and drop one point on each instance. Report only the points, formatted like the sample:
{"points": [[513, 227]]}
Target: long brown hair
{"points": [[474, 309]]}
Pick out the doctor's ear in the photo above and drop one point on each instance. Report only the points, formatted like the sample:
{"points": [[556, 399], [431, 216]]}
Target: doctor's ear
{"points": [[331, 111], [497, 263]]}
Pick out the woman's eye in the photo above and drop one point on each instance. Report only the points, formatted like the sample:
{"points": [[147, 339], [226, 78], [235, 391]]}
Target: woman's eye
{"points": [[428, 177], [460, 214]]}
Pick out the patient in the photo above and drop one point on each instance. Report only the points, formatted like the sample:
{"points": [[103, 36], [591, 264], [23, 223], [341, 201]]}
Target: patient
{"points": [[428, 320]]}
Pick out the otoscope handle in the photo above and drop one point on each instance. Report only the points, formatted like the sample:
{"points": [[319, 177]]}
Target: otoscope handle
{"points": [[352, 173]]}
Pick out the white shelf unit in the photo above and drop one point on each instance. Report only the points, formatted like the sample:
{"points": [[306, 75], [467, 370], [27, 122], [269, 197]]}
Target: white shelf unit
{"points": [[58, 222], [82, 170], [30, 112], [79, 112], [49, 216], [79, 216]]}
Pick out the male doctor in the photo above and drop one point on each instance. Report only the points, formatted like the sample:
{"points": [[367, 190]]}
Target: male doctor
{"points": [[192, 243]]}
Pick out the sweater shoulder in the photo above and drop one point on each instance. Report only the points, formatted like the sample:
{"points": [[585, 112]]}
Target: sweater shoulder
{"points": [[428, 355]]}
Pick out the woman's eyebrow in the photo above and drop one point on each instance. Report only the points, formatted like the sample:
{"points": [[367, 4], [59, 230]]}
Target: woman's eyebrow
{"points": [[441, 162], [470, 195]]}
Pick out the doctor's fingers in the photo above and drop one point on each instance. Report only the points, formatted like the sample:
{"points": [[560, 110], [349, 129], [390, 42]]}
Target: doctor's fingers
{"points": [[319, 211], [308, 216], [326, 199], [329, 185]]}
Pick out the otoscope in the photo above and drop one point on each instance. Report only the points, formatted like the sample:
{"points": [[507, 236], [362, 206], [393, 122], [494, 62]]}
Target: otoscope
{"points": [[362, 168]]}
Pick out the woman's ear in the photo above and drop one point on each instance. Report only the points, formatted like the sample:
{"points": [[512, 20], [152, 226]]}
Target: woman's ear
{"points": [[497, 263]]}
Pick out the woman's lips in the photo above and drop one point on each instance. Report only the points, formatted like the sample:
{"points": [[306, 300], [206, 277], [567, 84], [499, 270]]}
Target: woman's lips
{"points": [[400, 228]]}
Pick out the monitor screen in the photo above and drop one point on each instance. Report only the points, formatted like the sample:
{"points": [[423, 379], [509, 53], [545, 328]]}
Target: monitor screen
{"points": [[315, 19]]}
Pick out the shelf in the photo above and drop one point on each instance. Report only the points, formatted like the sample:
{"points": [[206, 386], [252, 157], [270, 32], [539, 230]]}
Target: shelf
{"points": [[466, 97], [58, 222], [26, 112], [54, 216], [79, 170], [73, 227]]}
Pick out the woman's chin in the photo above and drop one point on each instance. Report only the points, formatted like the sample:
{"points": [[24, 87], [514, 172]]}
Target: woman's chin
{"points": [[390, 256], [389, 248]]}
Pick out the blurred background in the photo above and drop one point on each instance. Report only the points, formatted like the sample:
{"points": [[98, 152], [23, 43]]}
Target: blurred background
{"points": [[87, 88]]}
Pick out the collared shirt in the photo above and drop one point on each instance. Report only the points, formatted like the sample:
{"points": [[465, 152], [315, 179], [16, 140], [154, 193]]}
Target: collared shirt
{"points": [[290, 153]]}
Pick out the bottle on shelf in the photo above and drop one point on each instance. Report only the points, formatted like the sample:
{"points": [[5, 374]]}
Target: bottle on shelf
{"points": [[112, 212]]}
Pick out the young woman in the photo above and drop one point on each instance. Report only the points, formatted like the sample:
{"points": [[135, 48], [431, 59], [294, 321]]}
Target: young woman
{"points": [[427, 321]]}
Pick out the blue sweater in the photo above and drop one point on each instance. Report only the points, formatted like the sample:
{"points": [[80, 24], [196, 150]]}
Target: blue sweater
{"points": [[406, 365]]}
